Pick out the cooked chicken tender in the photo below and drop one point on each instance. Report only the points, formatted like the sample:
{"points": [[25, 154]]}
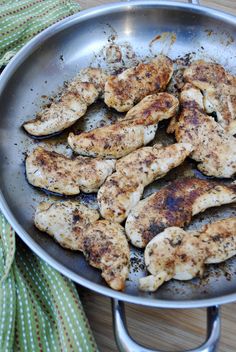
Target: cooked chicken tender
{"points": [[122, 190], [214, 149], [169, 254], [96, 76], [137, 129], [174, 205], [122, 92], [65, 111], [57, 173], [219, 240], [182, 255], [113, 141], [106, 248], [219, 89], [155, 107], [65, 221]]}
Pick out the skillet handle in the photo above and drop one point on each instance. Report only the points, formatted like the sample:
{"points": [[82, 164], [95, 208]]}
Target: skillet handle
{"points": [[125, 342]]}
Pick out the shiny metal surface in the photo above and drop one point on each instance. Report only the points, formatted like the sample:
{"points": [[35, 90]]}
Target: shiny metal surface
{"points": [[125, 342], [195, 2], [56, 55]]}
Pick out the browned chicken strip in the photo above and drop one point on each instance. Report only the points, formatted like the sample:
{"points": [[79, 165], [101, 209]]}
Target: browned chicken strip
{"points": [[122, 92], [65, 111], [57, 173], [137, 129], [106, 248], [65, 221], [214, 149], [182, 255], [219, 89], [96, 76], [123, 189], [155, 107], [175, 205], [113, 141]]}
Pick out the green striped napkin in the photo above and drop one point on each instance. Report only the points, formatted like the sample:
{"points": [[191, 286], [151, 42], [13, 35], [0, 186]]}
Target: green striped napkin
{"points": [[20, 20], [40, 310]]}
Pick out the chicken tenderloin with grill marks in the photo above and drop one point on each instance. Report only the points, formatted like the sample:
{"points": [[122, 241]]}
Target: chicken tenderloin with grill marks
{"points": [[175, 205], [57, 173], [123, 189], [138, 128], [183, 255], [122, 92]]}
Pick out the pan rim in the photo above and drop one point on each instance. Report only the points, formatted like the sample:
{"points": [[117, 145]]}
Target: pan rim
{"points": [[10, 69]]}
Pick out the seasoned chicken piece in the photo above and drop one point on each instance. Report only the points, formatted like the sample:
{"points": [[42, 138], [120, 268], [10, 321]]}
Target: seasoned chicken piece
{"points": [[155, 107], [122, 92], [122, 190], [219, 89], [65, 111], [182, 255], [172, 254], [214, 149], [97, 76], [65, 221], [106, 248], [137, 129], [174, 205], [113, 141], [57, 173], [219, 240]]}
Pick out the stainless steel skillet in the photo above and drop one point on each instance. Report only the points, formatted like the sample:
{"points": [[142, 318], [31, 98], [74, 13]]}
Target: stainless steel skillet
{"points": [[55, 56]]}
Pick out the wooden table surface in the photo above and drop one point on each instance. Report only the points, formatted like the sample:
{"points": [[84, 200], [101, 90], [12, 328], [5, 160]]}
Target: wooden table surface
{"points": [[166, 329]]}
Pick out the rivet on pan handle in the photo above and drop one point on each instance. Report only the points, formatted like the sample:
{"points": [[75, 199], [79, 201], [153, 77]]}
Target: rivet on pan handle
{"points": [[125, 342]]}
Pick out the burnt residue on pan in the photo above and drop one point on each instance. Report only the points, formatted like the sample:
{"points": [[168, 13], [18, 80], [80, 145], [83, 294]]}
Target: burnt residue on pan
{"points": [[224, 37], [165, 40]]}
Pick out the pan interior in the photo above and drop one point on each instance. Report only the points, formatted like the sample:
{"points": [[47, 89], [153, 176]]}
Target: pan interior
{"points": [[137, 30]]}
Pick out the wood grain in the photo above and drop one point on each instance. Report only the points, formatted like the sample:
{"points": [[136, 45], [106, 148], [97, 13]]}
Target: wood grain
{"points": [[166, 329]]}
